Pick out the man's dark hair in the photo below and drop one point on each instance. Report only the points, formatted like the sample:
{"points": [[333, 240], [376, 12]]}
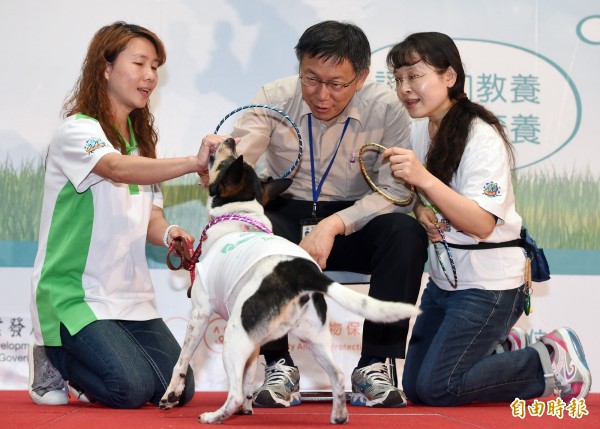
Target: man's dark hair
{"points": [[336, 41]]}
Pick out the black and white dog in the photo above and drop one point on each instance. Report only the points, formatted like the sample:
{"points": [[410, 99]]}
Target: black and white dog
{"points": [[265, 286]]}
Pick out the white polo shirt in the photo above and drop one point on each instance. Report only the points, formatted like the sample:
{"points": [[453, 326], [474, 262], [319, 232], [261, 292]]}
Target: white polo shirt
{"points": [[91, 261], [483, 176], [231, 256]]}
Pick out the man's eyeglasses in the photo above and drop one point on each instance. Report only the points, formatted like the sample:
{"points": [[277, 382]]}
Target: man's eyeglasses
{"points": [[397, 82], [331, 85]]}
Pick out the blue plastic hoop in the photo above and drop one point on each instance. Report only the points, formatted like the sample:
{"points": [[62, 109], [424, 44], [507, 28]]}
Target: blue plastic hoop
{"points": [[282, 113]]}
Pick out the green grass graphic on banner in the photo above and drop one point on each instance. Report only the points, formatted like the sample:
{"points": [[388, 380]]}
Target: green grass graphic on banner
{"points": [[559, 210]]}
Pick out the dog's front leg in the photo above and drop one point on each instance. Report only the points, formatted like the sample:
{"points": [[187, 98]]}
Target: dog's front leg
{"points": [[195, 331], [237, 349]]}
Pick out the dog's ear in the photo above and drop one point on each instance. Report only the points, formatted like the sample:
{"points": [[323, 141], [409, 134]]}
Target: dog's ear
{"points": [[272, 188], [234, 173]]}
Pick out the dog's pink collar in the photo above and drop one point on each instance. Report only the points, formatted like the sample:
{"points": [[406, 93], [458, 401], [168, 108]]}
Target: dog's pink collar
{"points": [[189, 262], [235, 216]]}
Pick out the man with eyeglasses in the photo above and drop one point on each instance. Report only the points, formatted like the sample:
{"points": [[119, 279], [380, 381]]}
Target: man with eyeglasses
{"points": [[330, 209]]}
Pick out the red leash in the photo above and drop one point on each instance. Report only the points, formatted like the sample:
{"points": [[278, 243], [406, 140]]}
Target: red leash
{"points": [[188, 257]]}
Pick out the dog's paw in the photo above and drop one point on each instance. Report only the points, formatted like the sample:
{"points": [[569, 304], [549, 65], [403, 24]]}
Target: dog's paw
{"points": [[210, 418], [168, 401], [164, 405], [246, 407], [339, 420], [339, 413], [243, 411]]}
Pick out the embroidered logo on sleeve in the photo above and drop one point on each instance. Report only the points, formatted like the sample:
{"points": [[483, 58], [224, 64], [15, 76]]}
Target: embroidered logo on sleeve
{"points": [[92, 144], [491, 189]]}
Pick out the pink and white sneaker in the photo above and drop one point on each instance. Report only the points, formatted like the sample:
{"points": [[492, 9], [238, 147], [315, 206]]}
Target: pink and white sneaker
{"points": [[572, 376], [517, 339]]}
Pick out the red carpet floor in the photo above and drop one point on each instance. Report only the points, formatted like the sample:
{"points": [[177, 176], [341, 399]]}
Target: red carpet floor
{"points": [[18, 412]]}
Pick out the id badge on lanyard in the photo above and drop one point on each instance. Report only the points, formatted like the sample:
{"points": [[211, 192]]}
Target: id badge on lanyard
{"points": [[307, 225]]}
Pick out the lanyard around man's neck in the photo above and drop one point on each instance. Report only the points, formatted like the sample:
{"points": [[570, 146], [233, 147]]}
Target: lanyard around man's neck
{"points": [[316, 190]]}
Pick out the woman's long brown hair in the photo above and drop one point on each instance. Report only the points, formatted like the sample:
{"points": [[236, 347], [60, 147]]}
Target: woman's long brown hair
{"points": [[89, 95]]}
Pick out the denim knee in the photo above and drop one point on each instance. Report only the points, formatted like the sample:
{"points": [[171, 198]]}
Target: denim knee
{"points": [[409, 387], [129, 393], [436, 395]]}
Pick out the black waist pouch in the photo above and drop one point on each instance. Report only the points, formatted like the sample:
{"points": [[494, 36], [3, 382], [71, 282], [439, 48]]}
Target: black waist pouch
{"points": [[540, 270]]}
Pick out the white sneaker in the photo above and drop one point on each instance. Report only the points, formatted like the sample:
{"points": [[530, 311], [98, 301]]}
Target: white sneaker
{"points": [[46, 385], [78, 393], [281, 388], [372, 387]]}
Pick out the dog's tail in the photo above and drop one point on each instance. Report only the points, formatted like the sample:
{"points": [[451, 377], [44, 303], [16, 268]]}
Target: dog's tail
{"points": [[371, 309]]}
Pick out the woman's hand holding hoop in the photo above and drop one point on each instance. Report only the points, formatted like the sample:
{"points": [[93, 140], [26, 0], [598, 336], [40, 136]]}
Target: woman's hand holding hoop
{"points": [[406, 166], [428, 220], [411, 188]]}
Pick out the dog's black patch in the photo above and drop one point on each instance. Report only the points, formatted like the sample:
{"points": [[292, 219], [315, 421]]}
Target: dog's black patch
{"points": [[320, 306], [281, 286], [236, 182], [304, 299]]}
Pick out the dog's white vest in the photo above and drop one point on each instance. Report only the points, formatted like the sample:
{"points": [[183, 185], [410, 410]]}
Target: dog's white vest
{"points": [[231, 256]]}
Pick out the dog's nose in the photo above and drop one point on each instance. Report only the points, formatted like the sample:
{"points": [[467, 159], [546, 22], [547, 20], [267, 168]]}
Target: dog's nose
{"points": [[230, 143]]}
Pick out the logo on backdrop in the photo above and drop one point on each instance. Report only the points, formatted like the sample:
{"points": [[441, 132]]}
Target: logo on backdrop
{"points": [[588, 29], [215, 334], [534, 98]]}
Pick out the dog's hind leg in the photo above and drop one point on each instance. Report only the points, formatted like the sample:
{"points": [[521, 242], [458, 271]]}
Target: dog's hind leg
{"points": [[324, 357], [248, 385], [195, 331], [237, 349], [311, 331]]}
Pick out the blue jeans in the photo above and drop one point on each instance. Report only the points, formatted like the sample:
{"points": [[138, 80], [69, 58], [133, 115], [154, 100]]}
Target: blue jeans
{"points": [[451, 359], [119, 363]]}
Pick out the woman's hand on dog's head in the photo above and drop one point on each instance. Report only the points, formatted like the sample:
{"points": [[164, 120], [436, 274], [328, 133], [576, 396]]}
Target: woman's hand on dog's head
{"points": [[209, 145]]}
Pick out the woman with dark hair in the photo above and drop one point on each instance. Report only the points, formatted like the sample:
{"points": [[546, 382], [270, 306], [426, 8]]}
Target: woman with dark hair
{"points": [[460, 163], [96, 326]]}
